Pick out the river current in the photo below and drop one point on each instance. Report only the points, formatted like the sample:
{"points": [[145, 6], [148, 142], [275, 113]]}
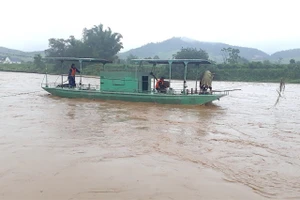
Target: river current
{"points": [[244, 136]]}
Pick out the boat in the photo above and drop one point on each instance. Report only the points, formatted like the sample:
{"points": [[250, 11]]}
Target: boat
{"points": [[132, 86]]}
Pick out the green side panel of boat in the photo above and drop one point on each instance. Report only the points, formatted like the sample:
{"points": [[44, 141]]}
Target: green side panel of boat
{"points": [[123, 81], [193, 99]]}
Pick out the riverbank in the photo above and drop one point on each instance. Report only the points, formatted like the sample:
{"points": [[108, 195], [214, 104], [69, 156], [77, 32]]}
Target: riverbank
{"points": [[234, 74]]}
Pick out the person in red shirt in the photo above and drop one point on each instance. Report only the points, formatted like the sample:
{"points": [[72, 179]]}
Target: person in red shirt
{"points": [[160, 87]]}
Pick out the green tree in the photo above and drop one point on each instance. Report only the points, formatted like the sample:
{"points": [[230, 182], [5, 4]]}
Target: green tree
{"points": [[75, 48], [225, 56], [243, 60], [292, 61], [130, 57], [230, 55], [37, 60], [102, 43], [57, 47], [156, 57], [234, 56], [96, 42], [191, 53], [188, 53]]}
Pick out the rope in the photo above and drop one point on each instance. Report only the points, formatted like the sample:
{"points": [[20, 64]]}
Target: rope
{"points": [[19, 94]]}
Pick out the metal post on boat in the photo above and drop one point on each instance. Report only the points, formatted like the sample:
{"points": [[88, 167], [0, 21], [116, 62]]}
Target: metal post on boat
{"points": [[197, 74], [196, 87], [46, 75], [170, 72], [154, 64], [62, 75], [185, 72], [80, 65], [140, 64]]}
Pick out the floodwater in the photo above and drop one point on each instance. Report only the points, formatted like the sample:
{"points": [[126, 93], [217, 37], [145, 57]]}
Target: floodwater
{"points": [[241, 147]]}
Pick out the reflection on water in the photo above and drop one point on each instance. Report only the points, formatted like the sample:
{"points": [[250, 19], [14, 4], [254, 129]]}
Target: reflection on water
{"points": [[243, 135]]}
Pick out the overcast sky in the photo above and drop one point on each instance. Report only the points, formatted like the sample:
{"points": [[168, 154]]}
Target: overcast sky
{"points": [[269, 25]]}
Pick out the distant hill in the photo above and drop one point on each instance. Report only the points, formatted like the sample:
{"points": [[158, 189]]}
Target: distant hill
{"points": [[169, 47], [20, 55], [286, 56]]}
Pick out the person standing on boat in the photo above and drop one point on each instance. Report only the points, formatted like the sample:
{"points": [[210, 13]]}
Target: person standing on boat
{"points": [[205, 82], [71, 75], [160, 87]]}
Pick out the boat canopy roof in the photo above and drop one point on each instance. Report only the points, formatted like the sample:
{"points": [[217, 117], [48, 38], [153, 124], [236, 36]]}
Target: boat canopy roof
{"points": [[173, 61], [95, 60]]}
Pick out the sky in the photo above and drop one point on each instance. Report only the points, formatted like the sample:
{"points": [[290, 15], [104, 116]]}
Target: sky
{"points": [[269, 25]]}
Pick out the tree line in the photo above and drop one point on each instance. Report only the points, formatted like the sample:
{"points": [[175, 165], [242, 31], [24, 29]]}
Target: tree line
{"points": [[104, 43], [95, 42]]}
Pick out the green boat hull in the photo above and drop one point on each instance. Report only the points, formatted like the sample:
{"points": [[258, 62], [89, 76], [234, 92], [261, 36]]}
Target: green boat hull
{"points": [[190, 99]]}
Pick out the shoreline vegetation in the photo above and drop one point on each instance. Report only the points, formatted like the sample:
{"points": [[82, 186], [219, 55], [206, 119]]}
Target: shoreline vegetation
{"points": [[222, 72], [98, 42]]}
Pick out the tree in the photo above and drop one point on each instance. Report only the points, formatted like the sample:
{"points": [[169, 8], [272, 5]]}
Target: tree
{"points": [[156, 57], [188, 53], [292, 61], [225, 55], [191, 53], [129, 58], [75, 48], [102, 43], [234, 56], [243, 60], [37, 60], [57, 47], [95, 42], [230, 55]]}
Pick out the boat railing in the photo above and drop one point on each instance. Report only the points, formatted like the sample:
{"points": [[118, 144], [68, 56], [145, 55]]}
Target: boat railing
{"points": [[170, 91], [88, 87], [66, 86], [54, 83]]}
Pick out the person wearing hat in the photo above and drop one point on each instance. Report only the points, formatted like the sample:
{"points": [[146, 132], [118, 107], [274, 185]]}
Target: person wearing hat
{"points": [[160, 87]]}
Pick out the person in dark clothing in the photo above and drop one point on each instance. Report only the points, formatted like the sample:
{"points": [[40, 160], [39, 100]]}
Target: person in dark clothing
{"points": [[71, 75]]}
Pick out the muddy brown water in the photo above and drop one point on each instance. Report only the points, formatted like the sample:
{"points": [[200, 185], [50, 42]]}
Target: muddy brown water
{"points": [[242, 146]]}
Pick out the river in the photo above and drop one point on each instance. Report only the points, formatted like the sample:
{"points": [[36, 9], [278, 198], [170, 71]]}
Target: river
{"points": [[241, 147]]}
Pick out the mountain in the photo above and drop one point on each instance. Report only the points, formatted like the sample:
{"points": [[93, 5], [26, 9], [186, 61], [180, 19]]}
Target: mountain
{"points": [[20, 55], [169, 47], [286, 55]]}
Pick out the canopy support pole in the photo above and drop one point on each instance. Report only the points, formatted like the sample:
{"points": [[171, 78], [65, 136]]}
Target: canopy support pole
{"points": [[170, 72], [197, 74], [154, 64], [46, 75], [62, 76], [80, 65], [140, 64], [184, 78]]}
